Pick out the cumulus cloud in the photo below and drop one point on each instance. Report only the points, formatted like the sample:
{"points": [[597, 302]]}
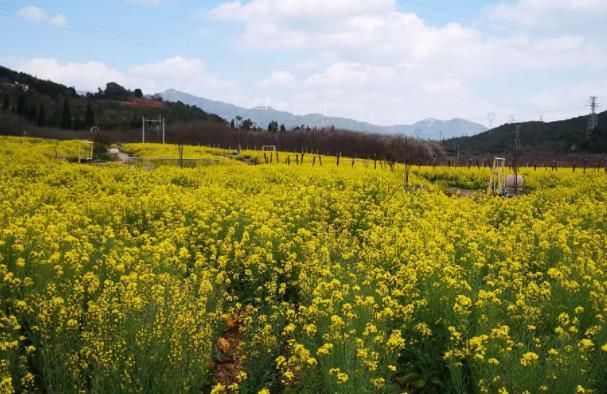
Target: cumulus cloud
{"points": [[176, 72], [58, 21], [278, 79], [539, 14], [384, 60], [84, 76], [32, 13], [37, 15]]}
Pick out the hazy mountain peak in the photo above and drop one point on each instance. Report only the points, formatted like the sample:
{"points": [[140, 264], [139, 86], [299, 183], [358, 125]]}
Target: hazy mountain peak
{"points": [[430, 128]]}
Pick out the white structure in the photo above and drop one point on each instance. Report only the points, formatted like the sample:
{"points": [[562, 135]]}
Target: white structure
{"points": [[85, 150], [157, 124], [514, 184], [497, 183]]}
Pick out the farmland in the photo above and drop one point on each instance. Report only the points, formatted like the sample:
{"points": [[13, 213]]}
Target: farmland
{"points": [[308, 278]]}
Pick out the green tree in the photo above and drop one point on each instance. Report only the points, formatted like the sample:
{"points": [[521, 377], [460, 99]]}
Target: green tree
{"points": [[283, 129], [78, 125], [232, 124], [6, 103], [138, 93], [247, 124], [66, 117], [21, 105], [273, 127], [41, 118], [31, 115], [90, 116], [113, 91]]}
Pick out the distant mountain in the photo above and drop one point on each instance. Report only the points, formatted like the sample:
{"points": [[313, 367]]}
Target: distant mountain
{"points": [[558, 137], [427, 129]]}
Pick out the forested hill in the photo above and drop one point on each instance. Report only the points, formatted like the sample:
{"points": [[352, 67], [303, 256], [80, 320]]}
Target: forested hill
{"points": [[555, 137], [27, 102]]}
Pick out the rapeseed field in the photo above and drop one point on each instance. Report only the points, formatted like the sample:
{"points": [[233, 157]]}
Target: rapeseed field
{"points": [[296, 278]]}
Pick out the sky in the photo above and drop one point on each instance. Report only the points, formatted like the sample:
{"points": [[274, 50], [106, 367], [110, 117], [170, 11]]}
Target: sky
{"points": [[380, 61]]}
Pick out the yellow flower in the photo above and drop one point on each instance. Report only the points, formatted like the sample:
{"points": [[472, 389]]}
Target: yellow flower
{"points": [[493, 361], [378, 383], [529, 358], [325, 349], [218, 389], [586, 343]]}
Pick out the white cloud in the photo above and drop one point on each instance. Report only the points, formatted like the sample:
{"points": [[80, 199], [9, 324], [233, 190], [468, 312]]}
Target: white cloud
{"points": [[180, 73], [299, 10], [83, 76], [38, 15], [368, 56], [58, 21], [542, 14], [32, 13], [278, 79]]}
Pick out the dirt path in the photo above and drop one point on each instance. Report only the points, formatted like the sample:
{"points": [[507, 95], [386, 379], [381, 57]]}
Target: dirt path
{"points": [[459, 192], [123, 157], [227, 363]]}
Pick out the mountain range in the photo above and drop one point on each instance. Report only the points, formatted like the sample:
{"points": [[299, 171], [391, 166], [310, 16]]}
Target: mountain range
{"points": [[262, 116]]}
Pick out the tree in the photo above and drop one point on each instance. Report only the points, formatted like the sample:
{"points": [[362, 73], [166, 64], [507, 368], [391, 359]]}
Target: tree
{"points": [[138, 93], [21, 105], [31, 115], [90, 116], [232, 124], [273, 127], [6, 103], [113, 91], [41, 119], [283, 129], [66, 117], [247, 124]]}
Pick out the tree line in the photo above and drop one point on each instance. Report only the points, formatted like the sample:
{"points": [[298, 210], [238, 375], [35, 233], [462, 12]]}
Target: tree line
{"points": [[328, 141]]}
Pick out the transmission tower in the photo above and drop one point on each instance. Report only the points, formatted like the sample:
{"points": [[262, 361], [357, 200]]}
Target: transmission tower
{"points": [[593, 121], [491, 119]]}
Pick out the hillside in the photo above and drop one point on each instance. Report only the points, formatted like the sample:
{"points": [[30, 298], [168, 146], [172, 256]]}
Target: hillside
{"points": [[556, 137], [426, 129], [28, 102]]}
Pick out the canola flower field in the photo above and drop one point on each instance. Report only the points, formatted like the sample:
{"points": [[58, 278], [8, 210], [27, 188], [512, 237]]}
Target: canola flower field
{"points": [[327, 279]]}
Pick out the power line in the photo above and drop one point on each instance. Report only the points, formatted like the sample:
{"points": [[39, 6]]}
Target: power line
{"points": [[477, 19], [10, 10]]}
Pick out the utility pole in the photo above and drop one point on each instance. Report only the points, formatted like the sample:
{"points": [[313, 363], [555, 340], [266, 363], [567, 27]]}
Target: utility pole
{"points": [[157, 125], [516, 146], [593, 121]]}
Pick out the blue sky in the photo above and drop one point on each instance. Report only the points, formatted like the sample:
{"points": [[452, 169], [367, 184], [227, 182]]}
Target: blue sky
{"points": [[383, 61]]}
